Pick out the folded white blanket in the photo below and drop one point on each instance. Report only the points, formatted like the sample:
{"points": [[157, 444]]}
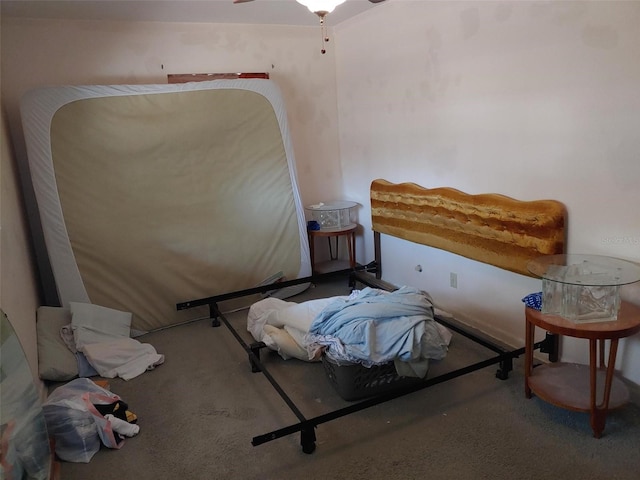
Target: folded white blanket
{"points": [[102, 336], [123, 357]]}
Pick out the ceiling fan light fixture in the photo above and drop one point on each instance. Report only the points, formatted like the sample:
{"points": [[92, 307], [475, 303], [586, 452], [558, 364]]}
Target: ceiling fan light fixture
{"points": [[323, 6]]}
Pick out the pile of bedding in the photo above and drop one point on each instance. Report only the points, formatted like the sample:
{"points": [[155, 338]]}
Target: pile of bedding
{"points": [[369, 327]]}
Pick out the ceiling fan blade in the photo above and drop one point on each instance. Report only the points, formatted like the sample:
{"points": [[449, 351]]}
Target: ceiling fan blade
{"points": [[376, 1], [242, 1]]}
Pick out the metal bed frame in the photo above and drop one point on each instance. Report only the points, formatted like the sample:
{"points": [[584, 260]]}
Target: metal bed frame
{"points": [[306, 426]]}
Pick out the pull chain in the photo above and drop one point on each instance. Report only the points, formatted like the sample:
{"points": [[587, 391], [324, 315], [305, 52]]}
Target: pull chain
{"points": [[323, 31]]}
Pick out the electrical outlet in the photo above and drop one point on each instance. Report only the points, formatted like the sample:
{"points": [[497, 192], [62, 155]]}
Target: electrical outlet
{"points": [[453, 280]]}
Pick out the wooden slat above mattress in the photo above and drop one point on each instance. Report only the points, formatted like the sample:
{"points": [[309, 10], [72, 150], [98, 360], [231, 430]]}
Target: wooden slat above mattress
{"points": [[489, 228], [206, 77]]}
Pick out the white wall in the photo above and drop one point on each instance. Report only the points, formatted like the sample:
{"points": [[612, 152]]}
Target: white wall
{"points": [[528, 99], [18, 290], [59, 52]]}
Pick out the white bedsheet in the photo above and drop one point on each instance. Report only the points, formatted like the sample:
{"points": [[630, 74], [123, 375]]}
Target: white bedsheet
{"points": [[282, 325]]}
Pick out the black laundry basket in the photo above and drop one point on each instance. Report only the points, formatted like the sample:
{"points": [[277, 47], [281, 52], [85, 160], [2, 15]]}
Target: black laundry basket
{"points": [[354, 381]]}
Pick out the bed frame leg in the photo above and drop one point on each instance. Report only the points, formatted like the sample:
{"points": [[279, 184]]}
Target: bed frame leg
{"points": [[255, 350], [308, 439], [505, 367], [213, 315], [551, 346]]}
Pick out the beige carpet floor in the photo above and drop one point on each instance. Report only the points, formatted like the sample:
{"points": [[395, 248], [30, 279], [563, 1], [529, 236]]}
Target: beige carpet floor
{"points": [[199, 411]]}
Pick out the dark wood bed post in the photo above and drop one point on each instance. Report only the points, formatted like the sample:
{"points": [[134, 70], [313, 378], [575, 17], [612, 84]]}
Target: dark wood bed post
{"points": [[376, 250]]}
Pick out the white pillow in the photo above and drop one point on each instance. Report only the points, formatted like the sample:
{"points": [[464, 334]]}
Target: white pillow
{"points": [[55, 361], [95, 324]]}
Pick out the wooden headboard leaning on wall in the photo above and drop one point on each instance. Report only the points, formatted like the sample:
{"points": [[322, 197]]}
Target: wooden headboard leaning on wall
{"points": [[489, 228]]}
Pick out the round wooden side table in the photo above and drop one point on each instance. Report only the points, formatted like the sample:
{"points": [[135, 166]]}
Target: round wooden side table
{"points": [[591, 388]]}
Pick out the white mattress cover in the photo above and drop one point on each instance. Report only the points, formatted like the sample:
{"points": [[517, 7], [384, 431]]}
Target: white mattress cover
{"points": [[38, 108]]}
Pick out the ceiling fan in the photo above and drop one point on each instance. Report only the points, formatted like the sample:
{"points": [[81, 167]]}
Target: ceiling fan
{"points": [[307, 3], [321, 8]]}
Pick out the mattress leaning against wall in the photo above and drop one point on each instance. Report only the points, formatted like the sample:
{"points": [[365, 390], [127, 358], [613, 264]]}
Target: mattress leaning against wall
{"points": [[150, 195]]}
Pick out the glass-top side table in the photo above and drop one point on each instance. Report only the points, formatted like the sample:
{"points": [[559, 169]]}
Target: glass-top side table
{"points": [[581, 298], [583, 288], [593, 388], [332, 216]]}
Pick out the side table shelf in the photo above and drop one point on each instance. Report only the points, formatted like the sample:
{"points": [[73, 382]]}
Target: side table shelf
{"points": [[567, 385], [589, 388]]}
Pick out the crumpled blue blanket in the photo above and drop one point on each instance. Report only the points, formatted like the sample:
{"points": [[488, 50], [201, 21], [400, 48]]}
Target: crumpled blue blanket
{"points": [[378, 326]]}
